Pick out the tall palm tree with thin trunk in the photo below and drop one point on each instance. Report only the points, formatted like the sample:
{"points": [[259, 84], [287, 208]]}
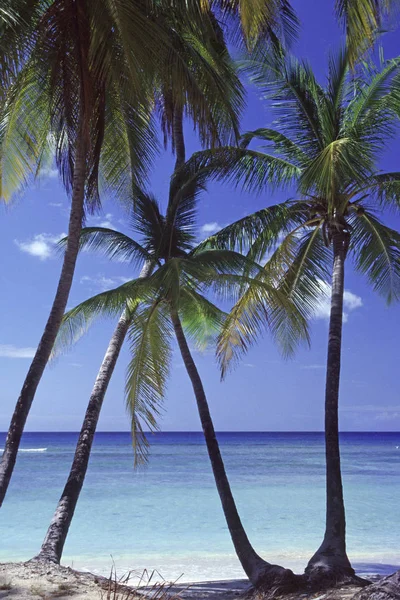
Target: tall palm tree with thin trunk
{"points": [[222, 98], [223, 103], [326, 144], [86, 93], [172, 300]]}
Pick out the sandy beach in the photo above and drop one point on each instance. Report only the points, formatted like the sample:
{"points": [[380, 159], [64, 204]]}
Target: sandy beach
{"points": [[30, 581]]}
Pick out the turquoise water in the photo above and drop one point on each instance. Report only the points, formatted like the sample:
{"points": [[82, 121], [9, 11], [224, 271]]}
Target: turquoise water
{"points": [[168, 517]]}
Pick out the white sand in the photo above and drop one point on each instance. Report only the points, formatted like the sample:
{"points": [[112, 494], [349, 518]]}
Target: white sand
{"points": [[35, 581]]}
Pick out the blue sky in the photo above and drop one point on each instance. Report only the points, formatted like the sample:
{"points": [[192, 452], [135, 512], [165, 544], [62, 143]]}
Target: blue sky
{"points": [[265, 393]]}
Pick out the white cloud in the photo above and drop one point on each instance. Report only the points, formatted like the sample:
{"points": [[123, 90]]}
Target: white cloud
{"points": [[105, 222], [210, 228], [56, 204], [41, 245], [313, 367], [10, 351], [49, 172], [350, 302], [101, 283]]}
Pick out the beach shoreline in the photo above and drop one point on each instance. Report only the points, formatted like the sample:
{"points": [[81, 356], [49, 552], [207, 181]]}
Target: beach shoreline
{"points": [[32, 580], [194, 568]]}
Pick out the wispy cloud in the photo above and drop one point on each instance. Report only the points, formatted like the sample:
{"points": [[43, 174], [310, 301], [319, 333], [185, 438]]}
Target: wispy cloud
{"points": [[41, 245], [313, 367], [373, 411], [350, 302], [49, 173], [11, 351], [371, 408], [103, 283], [210, 228], [56, 204], [105, 221]]}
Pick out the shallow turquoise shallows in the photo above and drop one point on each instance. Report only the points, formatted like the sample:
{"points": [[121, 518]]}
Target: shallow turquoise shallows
{"points": [[167, 516]]}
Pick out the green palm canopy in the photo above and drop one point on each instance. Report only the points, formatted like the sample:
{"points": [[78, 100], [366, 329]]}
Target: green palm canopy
{"points": [[324, 149], [186, 279]]}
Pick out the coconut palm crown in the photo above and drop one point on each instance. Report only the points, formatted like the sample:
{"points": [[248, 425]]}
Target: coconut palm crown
{"points": [[325, 146]]}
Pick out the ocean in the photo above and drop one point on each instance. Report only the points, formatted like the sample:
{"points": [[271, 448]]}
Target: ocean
{"points": [[167, 517]]}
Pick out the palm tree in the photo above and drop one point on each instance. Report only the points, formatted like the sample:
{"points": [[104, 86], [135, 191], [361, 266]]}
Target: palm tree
{"points": [[326, 145], [214, 108], [89, 85], [213, 104], [171, 300]]}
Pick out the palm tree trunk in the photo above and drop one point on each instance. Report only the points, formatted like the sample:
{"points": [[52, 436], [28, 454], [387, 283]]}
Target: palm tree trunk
{"points": [[54, 541], [331, 558], [258, 571], [53, 544], [46, 343], [178, 137]]}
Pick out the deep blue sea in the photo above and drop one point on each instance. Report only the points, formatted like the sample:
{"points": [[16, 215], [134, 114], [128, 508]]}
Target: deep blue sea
{"points": [[167, 516]]}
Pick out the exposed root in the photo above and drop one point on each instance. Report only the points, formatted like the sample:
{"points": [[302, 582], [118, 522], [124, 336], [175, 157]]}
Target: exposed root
{"points": [[385, 589]]}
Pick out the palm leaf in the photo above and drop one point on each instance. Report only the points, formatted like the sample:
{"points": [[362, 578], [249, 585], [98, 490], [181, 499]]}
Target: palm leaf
{"points": [[150, 336], [253, 170], [261, 307], [77, 321], [200, 318], [113, 244], [376, 252]]}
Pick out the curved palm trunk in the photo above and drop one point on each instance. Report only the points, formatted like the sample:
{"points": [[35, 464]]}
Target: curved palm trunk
{"points": [[46, 343], [331, 558], [53, 544], [260, 572], [54, 541]]}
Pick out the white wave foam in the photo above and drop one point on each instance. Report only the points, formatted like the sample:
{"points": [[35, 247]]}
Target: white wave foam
{"points": [[28, 449]]}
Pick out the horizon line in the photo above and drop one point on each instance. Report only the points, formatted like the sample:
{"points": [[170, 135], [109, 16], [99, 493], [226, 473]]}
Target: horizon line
{"points": [[224, 431]]}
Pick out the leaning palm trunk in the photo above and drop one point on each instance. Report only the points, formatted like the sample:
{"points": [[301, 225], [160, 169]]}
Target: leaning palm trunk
{"points": [[258, 570], [53, 544], [46, 343], [331, 557]]}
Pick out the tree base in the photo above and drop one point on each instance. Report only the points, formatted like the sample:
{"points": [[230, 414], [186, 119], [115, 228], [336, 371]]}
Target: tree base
{"points": [[321, 576], [275, 581], [44, 558], [385, 589]]}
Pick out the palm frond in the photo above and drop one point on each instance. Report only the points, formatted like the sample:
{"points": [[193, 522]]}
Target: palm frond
{"points": [[113, 244], [295, 96], [300, 264], [334, 167], [385, 188], [376, 252], [280, 143], [150, 336], [260, 231], [362, 21], [77, 321], [261, 307], [201, 319], [248, 168]]}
